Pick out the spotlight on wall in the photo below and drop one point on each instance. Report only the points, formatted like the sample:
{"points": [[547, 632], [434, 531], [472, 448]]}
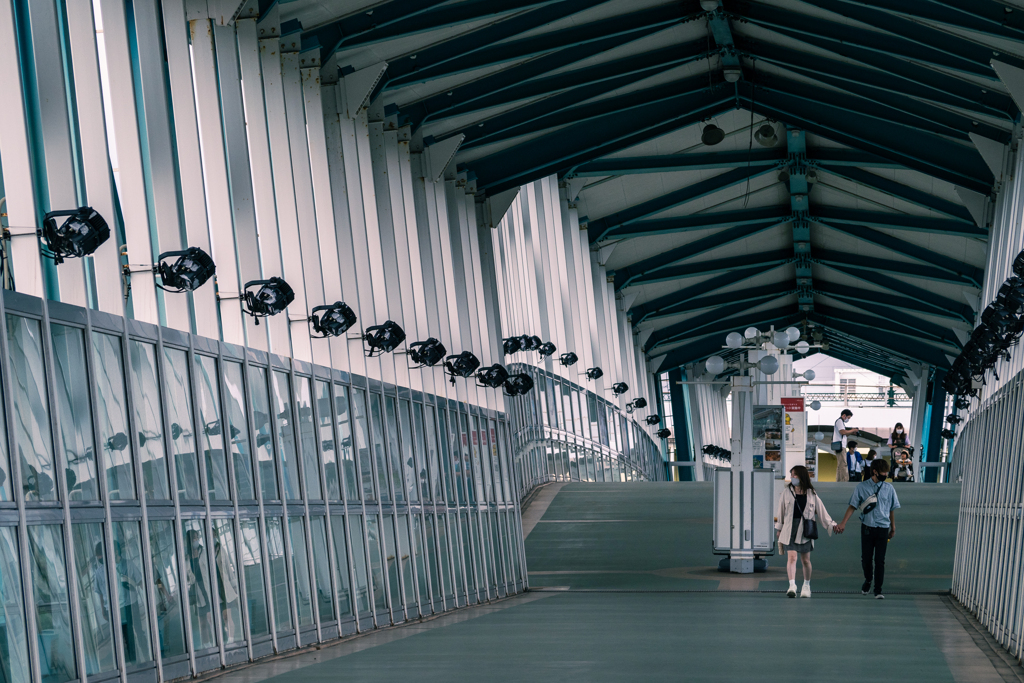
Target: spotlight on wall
{"points": [[492, 377], [712, 135], [427, 353], [653, 419], [664, 433], [382, 339], [331, 320], [595, 373], [535, 344], [547, 349], [517, 385], [188, 273], [954, 419], [272, 297], [639, 402], [946, 434], [80, 235], [620, 388], [461, 365], [512, 345], [568, 359]]}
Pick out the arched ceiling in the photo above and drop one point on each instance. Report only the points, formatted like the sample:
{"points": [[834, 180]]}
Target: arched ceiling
{"points": [[865, 221]]}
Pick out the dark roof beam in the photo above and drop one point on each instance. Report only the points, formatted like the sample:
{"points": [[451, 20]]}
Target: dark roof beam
{"points": [[669, 304]]}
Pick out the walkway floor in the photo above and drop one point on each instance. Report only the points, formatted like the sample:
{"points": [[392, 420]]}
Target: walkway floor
{"points": [[627, 593]]}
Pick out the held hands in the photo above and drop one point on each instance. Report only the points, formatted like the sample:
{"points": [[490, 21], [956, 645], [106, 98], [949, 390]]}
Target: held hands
{"points": [[839, 528]]}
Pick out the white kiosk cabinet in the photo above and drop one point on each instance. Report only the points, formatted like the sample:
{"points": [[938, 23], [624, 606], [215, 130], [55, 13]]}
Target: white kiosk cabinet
{"points": [[757, 522]]}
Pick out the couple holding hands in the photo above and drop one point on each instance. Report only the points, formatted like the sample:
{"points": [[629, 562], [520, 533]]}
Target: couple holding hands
{"points": [[796, 528]]}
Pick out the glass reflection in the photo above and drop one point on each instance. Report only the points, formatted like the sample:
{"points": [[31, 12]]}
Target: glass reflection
{"points": [[349, 478], [307, 440], [380, 600], [405, 561], [197, 578], [285, 433], [362, 442], [421, 563], [252, 568], [93, 598], [341, 562], [131, 593], [278, 575], [31, 423], [179, 413], [322, 570], [228, 590], [408, 459], [300, 571], [391, 561], [211, 432], [394, 454], [264, 435], [380, 457], [238, 430], [362, 586], [112, 415], [327, 445], [13, 639], [53, 614], [166, 589], [148, 420], [435, 579], [69, 370]]}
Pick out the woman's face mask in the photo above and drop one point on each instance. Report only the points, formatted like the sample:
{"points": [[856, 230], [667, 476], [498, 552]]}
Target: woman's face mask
{"points": [[899, 431], [795, 481]]}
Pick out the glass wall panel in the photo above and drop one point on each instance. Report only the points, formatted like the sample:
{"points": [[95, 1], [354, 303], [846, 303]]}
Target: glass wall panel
{"points": [[264, 436], [165, 588], [421, 562], [197, 578], [421, 476], [380, 600], [71, 378], [300, 570], [179, 411], [392, 561], [94, 609], [252, 569], [405, 560], [327, 442], [278, 575], [13, 638], [408, 456], [31, 423], [453, 529], [481, 461], [285, 434], [506, 469], [362, 596], [349, 478], [211, 428], [322, 570], [379, 456], [444, 558], [467, 553], [228, 588], [131, 593], [435, 580], [238, 429], [362, 432], [394, 453], [53, 613], [112, 415], [341, 563], [307, 440], [473, 484], [438, 469], [146, 408]]}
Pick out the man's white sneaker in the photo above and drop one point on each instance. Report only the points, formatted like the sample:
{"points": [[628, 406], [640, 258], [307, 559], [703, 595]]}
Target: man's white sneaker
{"points": [[791, 593], [879, 596], [805, 592]]}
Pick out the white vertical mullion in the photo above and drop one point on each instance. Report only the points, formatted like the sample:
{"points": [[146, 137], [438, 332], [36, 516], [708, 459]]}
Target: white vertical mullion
{"points": [[132, 195], [414, 213], [186, 147], [487, 352], [98, 192], [261, 173], [570, 260], [427, 234], [556, 260], [284, 189], [218, 194], [403, 275], [305, 211]]}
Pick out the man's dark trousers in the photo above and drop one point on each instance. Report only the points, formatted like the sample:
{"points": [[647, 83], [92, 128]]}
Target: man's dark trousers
{"points": [[873, 542]]}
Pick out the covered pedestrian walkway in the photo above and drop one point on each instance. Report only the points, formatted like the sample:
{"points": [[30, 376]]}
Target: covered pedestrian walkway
{"points": [[623, 587]]}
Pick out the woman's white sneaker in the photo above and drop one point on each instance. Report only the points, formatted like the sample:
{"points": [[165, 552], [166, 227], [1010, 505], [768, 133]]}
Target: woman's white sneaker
{"points": [[805, 591]]}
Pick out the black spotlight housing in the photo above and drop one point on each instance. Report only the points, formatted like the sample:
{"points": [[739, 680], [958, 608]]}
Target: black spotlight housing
{"points": [[653, 419], [639, 402], [332, 320], [962, 402], [954, 419], [272, 297], [595, 373], [192, 269], [381, 339], [547, 349], [1018, 265], [535, 343], [946, 434], [620, 388], [461, 365], [568, 359], [664, 433], [512, 345], [492, 377], [427, 353], [80, 235], [517, 385]]}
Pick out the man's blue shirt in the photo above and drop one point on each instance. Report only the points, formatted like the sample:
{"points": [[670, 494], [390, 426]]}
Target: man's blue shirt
{"points": [[887, 501]]}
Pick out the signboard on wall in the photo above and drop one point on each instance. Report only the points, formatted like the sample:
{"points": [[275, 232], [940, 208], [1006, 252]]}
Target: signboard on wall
{"points": [[795, 431], [768, 437]]}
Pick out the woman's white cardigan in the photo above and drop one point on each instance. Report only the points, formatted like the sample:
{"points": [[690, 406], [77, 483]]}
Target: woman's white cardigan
{"points": [[784, 515]]}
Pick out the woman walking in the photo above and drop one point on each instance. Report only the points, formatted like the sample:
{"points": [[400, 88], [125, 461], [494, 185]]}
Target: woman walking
{"points": [[799, 504]]}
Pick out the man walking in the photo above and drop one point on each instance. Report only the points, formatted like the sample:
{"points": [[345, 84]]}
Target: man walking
{"points": [[839, 433], [877, 503]]}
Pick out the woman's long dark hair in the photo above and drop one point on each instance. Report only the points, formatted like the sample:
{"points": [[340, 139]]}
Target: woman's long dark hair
{"points": [[898, 437], [804, 476]]}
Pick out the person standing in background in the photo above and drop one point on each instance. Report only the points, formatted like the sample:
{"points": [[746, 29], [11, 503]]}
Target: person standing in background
{"points": [[839, 434], [854, 463]]}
